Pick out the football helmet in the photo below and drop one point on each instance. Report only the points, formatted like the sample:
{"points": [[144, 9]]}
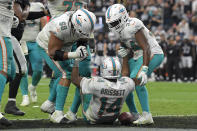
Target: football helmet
{"points": [[111, 68], [116, 17], [83, 22]]}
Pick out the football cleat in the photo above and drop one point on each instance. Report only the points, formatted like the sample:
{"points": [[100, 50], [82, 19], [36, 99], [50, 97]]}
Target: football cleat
{"points": [[70, 116], [145, 118], [11, 108], [4, 121], [58, 117], [25, 101], [48, 107]]}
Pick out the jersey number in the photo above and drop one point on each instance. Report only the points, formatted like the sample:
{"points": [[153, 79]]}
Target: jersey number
{"points": [[69, 5], [113, 108], [63, 25]]}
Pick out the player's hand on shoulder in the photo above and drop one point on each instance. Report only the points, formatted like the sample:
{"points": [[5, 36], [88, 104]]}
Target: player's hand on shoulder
{"points": [[122, 52]]}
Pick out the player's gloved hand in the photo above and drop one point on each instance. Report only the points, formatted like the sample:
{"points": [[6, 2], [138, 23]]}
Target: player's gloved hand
{"points": [[122, 52], [143, 75], [15, 22], [81, 53]]}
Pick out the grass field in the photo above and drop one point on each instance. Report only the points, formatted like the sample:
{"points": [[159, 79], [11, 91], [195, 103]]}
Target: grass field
{"points": [[165, 99]]}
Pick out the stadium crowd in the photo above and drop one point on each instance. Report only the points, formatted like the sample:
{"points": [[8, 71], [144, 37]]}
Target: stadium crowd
{"points": [[173, 22]]}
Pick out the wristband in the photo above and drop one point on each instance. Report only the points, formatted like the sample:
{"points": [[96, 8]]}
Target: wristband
{"points": [[145, 69], [59, 55], [72, 55]]}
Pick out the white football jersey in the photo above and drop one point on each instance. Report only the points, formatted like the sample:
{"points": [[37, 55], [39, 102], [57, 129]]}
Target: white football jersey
{"points": [[57, 7], [127, 35], [108, 97], [61, 28], [6, 17], [33, 27]]}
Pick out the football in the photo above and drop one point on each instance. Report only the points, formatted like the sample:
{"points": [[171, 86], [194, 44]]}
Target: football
{"points": [[126, 118]]}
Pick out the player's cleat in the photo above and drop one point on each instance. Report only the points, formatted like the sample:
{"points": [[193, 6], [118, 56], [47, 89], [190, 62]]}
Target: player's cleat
{"points": [[145, 118], [11, 108], [25, 101], [48, 107], [135, 115], [58, 117], [70, 116], [33, 94], [4, 121]]}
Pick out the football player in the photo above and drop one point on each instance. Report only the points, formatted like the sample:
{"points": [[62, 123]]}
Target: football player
{"points": [[29, 46], [147, 54], [6, 49], [54, 44], [56, 8], [103, 97]]}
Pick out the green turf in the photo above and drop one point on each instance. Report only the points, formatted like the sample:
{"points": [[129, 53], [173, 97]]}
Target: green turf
{"points": [[165, 99]]}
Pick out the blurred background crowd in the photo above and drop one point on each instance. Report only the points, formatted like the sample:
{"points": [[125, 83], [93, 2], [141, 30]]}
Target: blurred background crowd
{"points": [[174, 24]]}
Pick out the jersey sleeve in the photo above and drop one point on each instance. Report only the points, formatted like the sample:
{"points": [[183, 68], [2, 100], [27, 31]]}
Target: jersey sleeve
{"points": [[138, 24], [87, 85]]}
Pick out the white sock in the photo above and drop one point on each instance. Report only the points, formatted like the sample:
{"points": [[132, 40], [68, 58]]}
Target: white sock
{"points": [[12, 99]]}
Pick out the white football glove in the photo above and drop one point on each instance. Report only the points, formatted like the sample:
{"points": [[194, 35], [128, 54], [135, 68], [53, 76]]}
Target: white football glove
{"points": [[80, 53], [122, 52], [143, 75], [15, 22]]}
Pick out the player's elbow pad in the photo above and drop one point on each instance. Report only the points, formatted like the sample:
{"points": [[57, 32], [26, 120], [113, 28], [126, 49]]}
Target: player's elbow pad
{"points": [[59, 55]]}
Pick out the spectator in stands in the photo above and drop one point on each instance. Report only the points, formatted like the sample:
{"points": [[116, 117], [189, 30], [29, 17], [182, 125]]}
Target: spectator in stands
{"points": [[173, 59], [99, 51], [161, 71], [111, 46], [188, 54], [194, 23], [167, 15], [195, 59]]}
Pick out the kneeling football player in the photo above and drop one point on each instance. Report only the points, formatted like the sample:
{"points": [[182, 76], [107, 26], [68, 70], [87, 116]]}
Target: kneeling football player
{"points": [[103, 97]]}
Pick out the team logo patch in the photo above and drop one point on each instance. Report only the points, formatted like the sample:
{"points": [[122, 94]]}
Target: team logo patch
{"points": [[78, 20]]}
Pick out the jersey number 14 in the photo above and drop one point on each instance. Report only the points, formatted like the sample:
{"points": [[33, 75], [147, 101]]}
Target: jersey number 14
{"points": [[113, 108]]}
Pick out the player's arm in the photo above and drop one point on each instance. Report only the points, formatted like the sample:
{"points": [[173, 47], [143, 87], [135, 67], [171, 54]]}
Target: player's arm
{"points": [[54, 48], [43, 21], [21, 14], [125, 67], [125, 70], [143, 43], [75, 78]]}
